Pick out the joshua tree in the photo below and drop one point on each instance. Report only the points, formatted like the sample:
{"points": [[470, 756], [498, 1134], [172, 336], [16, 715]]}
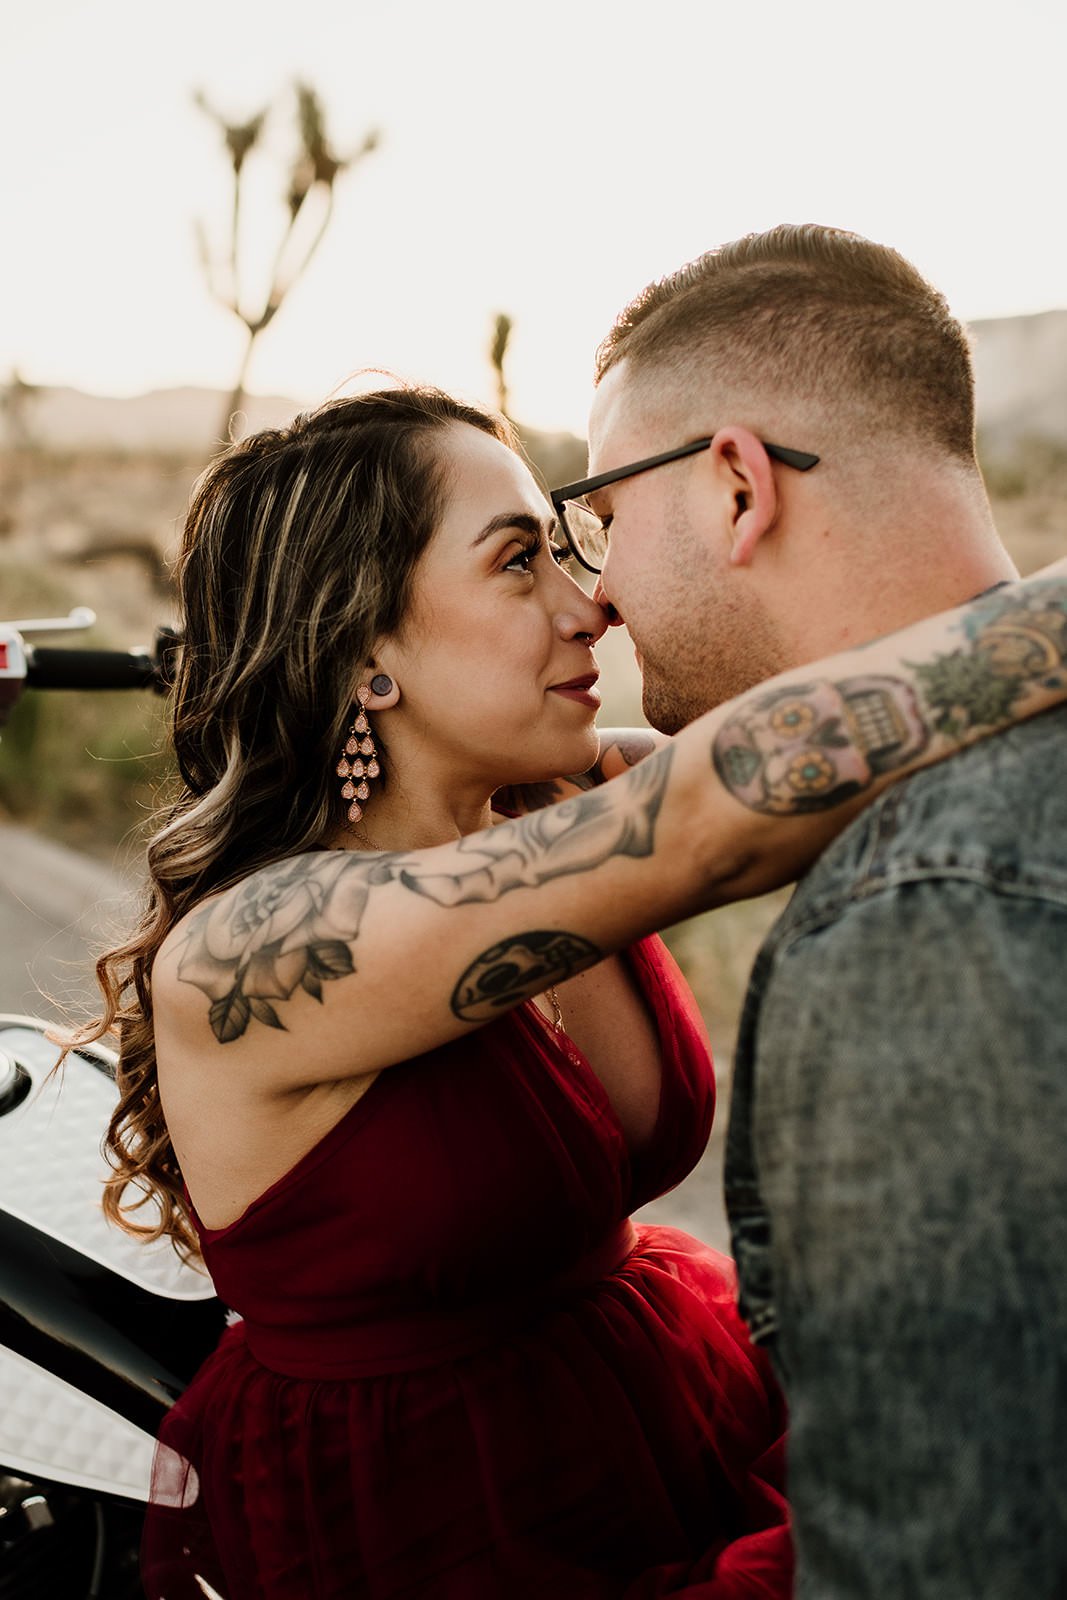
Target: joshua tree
{"points": [[16, 399], [498, 349], [314, 172]]}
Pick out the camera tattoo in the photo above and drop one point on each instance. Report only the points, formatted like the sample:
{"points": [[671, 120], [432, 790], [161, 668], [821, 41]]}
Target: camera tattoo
{"points": [[518, 968], [811, 746]]}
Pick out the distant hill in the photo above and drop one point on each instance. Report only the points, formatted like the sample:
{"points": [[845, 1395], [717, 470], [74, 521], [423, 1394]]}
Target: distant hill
{"points": [[165, 419], [186, 421], [1021, 374], [1020, 363]]}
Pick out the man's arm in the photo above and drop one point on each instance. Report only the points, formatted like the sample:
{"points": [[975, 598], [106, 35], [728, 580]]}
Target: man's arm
{"points": [[414, 947], [910, 1129]]}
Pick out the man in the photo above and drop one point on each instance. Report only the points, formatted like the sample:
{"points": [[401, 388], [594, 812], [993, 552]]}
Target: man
{"points": [[896, 1168]]}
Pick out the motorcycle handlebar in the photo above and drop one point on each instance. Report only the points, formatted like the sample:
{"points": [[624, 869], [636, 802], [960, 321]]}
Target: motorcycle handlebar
{"points": [[54, 668], [27, 666]]}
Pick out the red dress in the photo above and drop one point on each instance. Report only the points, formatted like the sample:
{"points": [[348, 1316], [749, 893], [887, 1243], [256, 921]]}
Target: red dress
{"points": [[461, 1373]]}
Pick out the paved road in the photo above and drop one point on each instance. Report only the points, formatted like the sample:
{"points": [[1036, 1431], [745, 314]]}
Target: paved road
{"points": [[57, 907]]}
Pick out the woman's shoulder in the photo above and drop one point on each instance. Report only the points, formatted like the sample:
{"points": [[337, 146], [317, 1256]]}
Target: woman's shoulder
{"points": [[237, 931], [275, 969]]}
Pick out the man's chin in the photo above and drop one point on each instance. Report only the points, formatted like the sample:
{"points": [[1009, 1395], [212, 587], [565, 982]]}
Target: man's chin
{"points": [[664, 709], [700, 677]]}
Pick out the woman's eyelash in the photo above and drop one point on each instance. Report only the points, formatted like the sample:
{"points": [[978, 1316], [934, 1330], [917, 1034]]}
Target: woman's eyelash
{"points": [[522, 557], [528, 554]]}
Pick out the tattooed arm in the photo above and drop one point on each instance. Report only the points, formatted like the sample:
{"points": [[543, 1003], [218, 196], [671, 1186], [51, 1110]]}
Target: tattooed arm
{"points": [[620, 749], [369, 960]]}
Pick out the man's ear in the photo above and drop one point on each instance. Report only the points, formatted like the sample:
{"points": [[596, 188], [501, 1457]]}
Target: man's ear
{"points": [[744, 464]]}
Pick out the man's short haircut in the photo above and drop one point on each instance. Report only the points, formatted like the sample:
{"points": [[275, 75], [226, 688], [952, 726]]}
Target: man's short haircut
{"points": [[816, 315]]}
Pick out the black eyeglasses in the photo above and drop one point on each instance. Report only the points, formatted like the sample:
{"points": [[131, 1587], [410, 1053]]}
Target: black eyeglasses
{"points": [[585, 532]]}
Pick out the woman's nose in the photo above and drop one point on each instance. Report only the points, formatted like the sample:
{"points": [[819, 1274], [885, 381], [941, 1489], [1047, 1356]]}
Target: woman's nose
{"points": [[583, 615]]}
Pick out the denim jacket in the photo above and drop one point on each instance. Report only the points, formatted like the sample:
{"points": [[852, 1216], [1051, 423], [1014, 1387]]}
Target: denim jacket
{"points": [[896, 1179]]}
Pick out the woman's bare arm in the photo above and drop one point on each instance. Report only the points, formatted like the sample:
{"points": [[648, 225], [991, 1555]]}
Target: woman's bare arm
{"points": [[368, 960]]}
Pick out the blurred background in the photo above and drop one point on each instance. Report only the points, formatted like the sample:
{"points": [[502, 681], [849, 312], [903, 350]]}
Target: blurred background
{"points": [[233, 210]]}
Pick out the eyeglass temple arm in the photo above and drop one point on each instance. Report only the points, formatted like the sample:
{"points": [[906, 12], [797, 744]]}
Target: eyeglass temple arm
{"points": [[584, 486], [799, 460]]}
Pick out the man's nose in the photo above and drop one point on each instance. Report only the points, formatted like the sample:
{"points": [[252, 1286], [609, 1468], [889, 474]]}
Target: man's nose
{"points": [[612, 616]]}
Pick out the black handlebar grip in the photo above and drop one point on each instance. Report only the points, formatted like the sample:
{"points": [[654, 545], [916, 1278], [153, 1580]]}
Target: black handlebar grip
{"points": [[51, 668]]}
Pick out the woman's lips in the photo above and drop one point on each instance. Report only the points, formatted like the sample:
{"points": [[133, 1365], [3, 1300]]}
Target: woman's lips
{"points": [[583, 690]]}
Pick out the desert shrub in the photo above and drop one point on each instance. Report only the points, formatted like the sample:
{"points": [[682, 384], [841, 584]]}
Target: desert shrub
{"points": [[82, 768], [1034, 465]]}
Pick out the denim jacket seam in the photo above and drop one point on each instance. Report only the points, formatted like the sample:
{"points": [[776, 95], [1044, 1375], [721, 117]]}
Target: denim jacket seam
{"points": [[882, 830], [837, 902]]}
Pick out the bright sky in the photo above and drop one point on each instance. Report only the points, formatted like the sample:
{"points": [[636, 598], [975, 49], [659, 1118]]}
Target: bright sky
{"points": [[546, 160]]}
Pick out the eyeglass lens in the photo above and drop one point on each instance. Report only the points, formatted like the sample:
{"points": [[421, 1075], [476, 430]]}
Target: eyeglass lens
{"points": [[587, 532]]}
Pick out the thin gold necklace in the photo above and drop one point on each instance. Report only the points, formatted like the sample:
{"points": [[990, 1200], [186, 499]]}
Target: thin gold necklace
{"points": [[557, 1014], [364, 839]]}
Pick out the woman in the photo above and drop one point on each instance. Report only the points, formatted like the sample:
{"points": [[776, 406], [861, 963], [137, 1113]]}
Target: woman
{"points": [[396, 1074]]}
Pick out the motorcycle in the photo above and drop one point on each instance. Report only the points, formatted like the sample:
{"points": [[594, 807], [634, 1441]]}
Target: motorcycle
{"points": [[99, 1333]]}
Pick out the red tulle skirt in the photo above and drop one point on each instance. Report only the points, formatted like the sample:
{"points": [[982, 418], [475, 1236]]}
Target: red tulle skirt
{"points": [[627, 1443]]}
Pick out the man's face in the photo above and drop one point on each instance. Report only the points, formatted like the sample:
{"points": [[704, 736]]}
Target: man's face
{"points": [[699, 628]]}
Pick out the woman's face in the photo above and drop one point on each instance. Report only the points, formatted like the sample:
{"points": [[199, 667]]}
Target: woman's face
{"points": [[494, 662]]}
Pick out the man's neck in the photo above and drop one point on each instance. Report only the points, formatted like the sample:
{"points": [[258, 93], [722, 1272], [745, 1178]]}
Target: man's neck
{"points": [[862, 582]]}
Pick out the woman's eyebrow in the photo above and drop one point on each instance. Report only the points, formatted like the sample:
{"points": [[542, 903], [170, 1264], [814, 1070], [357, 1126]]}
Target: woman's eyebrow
{"points": [[524, 521]]}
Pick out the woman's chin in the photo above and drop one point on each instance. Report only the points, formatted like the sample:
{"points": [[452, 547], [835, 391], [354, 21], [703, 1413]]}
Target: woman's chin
{"points": [[582, 755], [566, 762]]}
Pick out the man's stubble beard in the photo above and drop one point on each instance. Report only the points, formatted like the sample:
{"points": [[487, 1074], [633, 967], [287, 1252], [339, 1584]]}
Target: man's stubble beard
{"points": [[715, 652]]}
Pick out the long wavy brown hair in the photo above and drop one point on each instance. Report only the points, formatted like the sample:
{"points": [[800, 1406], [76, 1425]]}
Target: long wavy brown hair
{"points": [[298, 553]]}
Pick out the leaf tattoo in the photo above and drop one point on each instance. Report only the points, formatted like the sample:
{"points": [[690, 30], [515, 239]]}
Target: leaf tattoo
{"points": [[1012, 643], [287, 926]]}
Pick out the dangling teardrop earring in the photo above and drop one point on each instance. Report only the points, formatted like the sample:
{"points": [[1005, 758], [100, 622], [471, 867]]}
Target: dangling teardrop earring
{"points": [[359, 760]]}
